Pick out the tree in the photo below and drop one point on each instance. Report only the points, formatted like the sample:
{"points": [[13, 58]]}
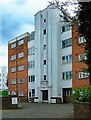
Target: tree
{"points": [[82, 20]]}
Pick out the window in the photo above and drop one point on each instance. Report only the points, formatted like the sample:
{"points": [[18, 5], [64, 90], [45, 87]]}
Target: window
{"points": [[28, 78], [81, 40], [13, 45], [67, 43], [44, 62], [20, 55], [44, 77], [13, 57], [31, 51], [13, 81], [67, 75], [33, 92], [21, 68], [82, 57], [13, 69], [31, 64], [44, 20], [13, 93], [21, 93], [31, 37], [20, 42], [44, 31], [29, 94], [21, 80], [32, 78], [66, 59], [44, 47], [66, 28], [83, 74]]}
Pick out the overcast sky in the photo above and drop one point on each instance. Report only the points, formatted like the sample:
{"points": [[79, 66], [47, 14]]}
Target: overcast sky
{"points": [[17, 18]]}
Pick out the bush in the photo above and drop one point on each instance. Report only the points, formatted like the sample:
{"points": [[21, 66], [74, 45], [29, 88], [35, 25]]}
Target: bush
{"points": [[82, 94], [4, 93]]}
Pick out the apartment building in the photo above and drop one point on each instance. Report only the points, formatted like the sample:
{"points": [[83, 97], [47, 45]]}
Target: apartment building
{"points": [[53, 57], [3, 79], [18, 66], [80, 76]]}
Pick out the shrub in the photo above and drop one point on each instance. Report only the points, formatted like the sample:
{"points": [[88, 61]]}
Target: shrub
{"points": [[82, 94], [4, 93]]}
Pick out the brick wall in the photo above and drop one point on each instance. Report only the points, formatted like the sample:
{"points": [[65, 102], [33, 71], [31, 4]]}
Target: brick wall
{"points": [[20, 87], [77, 66]]}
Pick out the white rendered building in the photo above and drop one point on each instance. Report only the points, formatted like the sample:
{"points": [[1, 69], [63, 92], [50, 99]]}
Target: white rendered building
{"points": [[31, 65], [53, 59], [3, 79]]}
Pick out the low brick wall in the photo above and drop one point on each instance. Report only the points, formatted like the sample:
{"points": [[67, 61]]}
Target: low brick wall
{"points": [[7, 103], [82, 110]]}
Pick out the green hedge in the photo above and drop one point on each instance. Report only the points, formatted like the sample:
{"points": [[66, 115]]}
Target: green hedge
{"points": [[4, 93], [81, 94]]}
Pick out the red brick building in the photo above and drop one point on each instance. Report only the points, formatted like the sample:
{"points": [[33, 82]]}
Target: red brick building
{"points": [[79, 77], [18, 66]]}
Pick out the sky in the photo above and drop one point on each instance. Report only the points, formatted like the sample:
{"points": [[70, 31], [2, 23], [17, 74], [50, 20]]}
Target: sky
{"points": [[17, 18]]}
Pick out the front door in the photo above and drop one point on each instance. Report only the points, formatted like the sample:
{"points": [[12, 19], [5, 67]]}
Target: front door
{"points": [[45, 95], [67, 95]]}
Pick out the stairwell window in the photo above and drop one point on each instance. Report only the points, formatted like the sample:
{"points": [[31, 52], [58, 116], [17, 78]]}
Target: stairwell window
{"points": [[21, 93], [44, 31], [21, 80], [13, 81]]}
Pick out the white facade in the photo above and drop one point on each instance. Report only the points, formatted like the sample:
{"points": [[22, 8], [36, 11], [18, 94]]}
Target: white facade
{"points": [[49, 82], [31, 65], [3, 79]]}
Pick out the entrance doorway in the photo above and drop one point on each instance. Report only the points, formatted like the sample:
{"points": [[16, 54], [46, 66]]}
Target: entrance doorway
{"points": [[67, 95], [45, 95]]}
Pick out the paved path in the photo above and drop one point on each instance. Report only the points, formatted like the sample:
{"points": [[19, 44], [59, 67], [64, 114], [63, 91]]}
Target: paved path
{"points": [[40, 110]]}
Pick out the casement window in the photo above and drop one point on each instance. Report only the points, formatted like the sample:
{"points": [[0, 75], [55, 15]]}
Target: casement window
{"points": [[13, 81], [66, 28], [13, 57], [44, 77], [44, 31], [67, 75], [31, 64], [13, 45], [20, 55], [20, 42], [33, 92], [20, 93], [21, 80], [82, 57], [44, 62], [13, 69], [21, 68], [81, 39], [32, 78], [44, 47], [67, 43], [44, 20], [13, 93], [66, 59], [31, 51], [83, 74]]}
